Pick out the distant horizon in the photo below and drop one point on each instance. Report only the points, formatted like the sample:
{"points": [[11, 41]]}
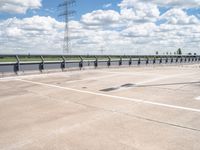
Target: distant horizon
{"points": [[85, 54]]}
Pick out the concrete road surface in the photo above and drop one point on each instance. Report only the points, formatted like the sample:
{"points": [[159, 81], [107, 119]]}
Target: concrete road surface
{"points": [[136, 108]]}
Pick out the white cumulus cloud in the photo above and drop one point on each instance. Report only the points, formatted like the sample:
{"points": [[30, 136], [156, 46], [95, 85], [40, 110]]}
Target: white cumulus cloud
{"points": [[33, 33], [100, 17], [133, 29], [178, 16], [138, 11], [19, 6], [164, 3]]}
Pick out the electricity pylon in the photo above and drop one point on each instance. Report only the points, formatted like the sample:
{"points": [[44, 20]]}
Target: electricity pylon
{"points": [[67, 13]]}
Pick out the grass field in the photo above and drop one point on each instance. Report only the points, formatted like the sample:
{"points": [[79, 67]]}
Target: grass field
{"points": [[51, 58]]}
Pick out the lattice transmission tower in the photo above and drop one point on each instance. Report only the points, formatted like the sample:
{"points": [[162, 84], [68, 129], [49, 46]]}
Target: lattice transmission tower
{"points": [[67, 13]]}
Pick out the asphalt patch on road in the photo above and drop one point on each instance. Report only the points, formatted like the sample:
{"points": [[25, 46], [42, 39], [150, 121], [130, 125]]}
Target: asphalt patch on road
{"points": [[127, 85], [109, 89]]}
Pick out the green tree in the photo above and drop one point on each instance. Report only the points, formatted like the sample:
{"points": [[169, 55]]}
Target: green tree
{"points": [[179, 51]]}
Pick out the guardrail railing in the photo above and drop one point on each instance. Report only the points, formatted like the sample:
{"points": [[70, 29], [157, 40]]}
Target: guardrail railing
{"points": [[25, 63]]}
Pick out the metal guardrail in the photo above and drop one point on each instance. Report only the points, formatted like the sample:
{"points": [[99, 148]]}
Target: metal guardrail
{"points": [[94, 61]]}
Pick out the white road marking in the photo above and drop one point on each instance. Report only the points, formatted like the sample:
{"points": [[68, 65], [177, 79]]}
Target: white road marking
{"points": [[112, 96], [197, 98]]}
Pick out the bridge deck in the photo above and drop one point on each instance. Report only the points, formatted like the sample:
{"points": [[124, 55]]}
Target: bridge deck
{"points": [[138, 108]]}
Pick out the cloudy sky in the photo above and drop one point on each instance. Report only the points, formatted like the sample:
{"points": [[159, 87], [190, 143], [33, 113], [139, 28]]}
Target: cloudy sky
{"points": [[101, 26]]}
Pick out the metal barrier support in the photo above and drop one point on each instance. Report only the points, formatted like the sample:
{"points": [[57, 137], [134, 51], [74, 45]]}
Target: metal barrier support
{"points": [[195, 58], [160, 61], [130, 61], [17, 65], [166, 61], [96, 62], [147, 60], [176, 59], [41, 65], [109, 61], [139, 61], [120, 61], [63, 63], [81, 62], [154, 60], [172, 59]]}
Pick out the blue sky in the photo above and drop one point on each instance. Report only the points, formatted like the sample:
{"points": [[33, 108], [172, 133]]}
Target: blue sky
{"points": [[117, 26], [50, 8]]}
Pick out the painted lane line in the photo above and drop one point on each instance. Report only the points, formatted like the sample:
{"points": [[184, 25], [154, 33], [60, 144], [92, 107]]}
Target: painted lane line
{"points": [[197, 98], [116, 97]]}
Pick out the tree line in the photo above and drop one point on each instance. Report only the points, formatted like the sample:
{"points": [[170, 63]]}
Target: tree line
{"points": [[178, 52]]}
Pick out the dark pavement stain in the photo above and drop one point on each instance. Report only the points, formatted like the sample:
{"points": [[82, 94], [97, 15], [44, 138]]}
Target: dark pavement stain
{"points": [[128, 85], [109, 89]]}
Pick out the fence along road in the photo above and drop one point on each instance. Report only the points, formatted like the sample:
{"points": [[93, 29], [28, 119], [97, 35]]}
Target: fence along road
{"points": [[84, 61]]}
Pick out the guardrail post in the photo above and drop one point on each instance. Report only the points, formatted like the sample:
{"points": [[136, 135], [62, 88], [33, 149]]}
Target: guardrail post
{"points": [[120, 61], [147, 61], [172, 59], [166, 61], [195, 58], [17, 65], [109, 61], [63, 63], [81, 62], [96, 62], [130, 61], [41, 65], [160, 60], [176, 59], [154, 60], [139, 61]]}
